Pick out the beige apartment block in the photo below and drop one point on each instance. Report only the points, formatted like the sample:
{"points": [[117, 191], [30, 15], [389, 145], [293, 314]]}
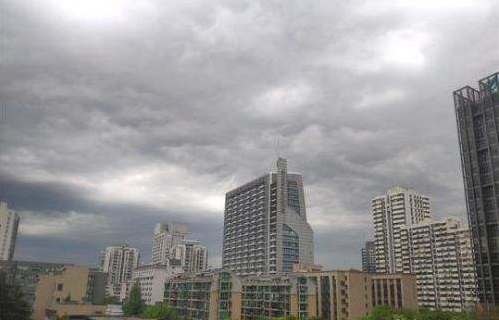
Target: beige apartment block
{"points": [[76, 290], [349, 294]]}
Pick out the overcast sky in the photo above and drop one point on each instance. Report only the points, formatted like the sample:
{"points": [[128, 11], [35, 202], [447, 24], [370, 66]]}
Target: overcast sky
{"points": [[121, 114]]}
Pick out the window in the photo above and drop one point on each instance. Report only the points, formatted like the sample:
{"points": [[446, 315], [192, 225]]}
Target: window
{"points": [[59, 287]]}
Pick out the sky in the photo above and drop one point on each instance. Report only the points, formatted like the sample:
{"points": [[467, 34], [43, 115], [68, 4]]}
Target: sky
{"points": [[121, 114]]}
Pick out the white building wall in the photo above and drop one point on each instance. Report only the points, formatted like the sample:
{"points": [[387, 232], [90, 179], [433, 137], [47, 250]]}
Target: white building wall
{"points": [[118, 262], [399, 207], [166, 237], [439, 254], [151, 279]]}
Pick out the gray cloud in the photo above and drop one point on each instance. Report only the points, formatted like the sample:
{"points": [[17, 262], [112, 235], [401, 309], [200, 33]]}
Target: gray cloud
{"points": [[132, 113]]}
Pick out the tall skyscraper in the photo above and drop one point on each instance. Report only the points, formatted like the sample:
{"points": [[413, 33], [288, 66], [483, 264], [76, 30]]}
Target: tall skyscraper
{"points": [[439, 254], [368, 257], [399, 207], [9, 223], [118, 262], [265, 225], [166, 237], [477, 114]]}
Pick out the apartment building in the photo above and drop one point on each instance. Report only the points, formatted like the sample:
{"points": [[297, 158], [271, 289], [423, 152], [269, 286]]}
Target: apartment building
{"points": [[350, 294], [440, 254], [397, 208], [151, 279], [265, 225], [9, 223], [170, 242], [166, 237], [25, 274], [118, 262], [192, 256], [74, 291], [222, 295], [336, 295]]}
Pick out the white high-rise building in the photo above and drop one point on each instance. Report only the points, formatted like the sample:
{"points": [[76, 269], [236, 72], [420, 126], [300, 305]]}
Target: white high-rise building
{"points": [[265, 225], [9, 223], [192, 256], [118, 262], [440, 254], [398, 208], [166, 237]]}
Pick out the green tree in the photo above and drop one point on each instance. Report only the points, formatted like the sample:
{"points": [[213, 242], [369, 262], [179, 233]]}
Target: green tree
{"points": [[134, 304], [12, 303], [381, 313], [387, 313], [160, 311]]}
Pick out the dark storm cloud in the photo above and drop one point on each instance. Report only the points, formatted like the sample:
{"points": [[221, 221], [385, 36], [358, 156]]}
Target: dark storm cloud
{"points": [[125, 114]]}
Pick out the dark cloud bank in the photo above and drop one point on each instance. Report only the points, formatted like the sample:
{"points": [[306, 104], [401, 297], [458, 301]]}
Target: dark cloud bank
{"points": [[152, 112]]}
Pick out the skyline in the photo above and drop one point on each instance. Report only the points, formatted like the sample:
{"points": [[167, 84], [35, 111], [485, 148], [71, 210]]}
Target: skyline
{"points": [[153, 115]]}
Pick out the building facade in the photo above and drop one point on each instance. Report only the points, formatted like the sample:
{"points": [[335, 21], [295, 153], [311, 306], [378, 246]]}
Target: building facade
{"points": [[336, 295], [398, 208], [223, 295], [477, 115], [9, 223], [440, 254], [265, 225], [368, 253], [151, 279], [166, 237], [75, 290], [170, 242], [192, 256], [25, 274], [118, 262]]}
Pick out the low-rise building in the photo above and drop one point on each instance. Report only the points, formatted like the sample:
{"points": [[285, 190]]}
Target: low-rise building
{"points": [[75, 290], [151, 279], [350, 294], [25, 274], [336, 295], [223, 295]]}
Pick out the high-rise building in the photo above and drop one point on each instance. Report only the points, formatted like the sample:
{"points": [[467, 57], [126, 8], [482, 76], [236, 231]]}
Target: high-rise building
{"points": [[368, 257], [9, 222], [170, 242], [265, 225], [166, 237], [439, 254], [192, 256], [477, 114], [398, 208], [118, 262]]}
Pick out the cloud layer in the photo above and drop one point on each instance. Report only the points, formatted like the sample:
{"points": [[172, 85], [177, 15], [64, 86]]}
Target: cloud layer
{"points": [[121, 114]]}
